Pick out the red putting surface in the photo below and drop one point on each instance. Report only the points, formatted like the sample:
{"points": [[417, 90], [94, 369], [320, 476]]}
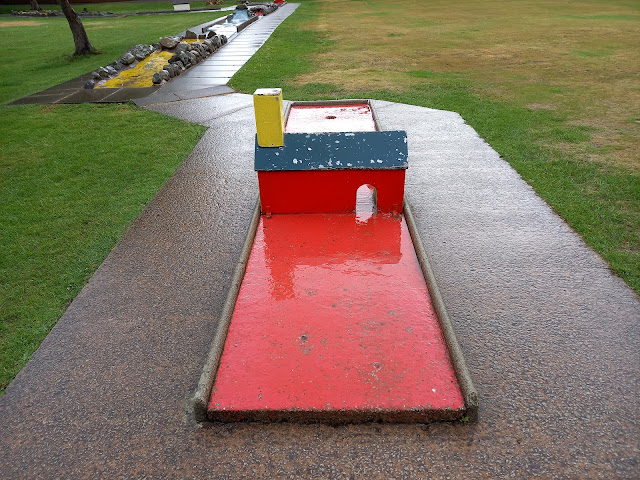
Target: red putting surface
{"points": [[334, 314], [330, 118]]}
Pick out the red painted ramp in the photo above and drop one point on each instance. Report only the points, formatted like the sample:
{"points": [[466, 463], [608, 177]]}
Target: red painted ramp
{"points": [[334, 321]]}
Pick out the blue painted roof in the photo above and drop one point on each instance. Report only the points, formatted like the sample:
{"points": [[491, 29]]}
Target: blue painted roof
{"points": [[337, 151]]}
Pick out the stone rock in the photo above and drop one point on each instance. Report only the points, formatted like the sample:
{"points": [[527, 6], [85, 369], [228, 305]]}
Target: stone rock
{"points": [[201, 49], [157, 47], [104, 73], [183, 47], [216, 41], [169, 42], [180, 65], [116, 65], [127, 59], [112, 71], [141, 51], [194, 58], [95, 75], [223, 39], [157, 78], [185, 58], [173, 69], [209, 45], [189, 35], [90, 84]]}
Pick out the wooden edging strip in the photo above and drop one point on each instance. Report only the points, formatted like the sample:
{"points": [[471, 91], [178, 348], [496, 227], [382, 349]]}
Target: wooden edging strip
{"points": [[457, 358], [200, 399]]}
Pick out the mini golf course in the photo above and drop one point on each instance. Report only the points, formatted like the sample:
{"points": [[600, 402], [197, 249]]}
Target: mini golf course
{"points": [[333, 321]]}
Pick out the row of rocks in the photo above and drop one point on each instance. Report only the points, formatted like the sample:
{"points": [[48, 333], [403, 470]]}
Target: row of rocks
{"points": [[137, 52], [36, 13], [57, 13], [186, 55]]}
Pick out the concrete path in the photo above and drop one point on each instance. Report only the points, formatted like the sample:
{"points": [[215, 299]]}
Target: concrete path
{"points": [[206, 78], [219, 68], [549, 335]]}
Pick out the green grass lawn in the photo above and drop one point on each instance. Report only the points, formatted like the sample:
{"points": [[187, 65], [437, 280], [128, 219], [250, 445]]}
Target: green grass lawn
{"points": [[117, 7], [551, 86], [72, 177]]}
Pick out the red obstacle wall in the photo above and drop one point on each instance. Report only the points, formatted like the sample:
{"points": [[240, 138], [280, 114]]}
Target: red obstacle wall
{"points": [[328, 191]]}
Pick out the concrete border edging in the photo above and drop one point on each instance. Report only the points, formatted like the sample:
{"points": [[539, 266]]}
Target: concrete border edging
{"points": [[200, 399], [469, 392]]}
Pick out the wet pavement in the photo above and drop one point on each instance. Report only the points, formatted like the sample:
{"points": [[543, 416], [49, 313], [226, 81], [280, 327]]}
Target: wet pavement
{"points": [[550, 336], [212, 73], [220, 67]]}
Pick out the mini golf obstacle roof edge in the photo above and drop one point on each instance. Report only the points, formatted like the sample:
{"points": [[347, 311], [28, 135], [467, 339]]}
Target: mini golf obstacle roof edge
{"points": [[394, 162], [318, 167]]}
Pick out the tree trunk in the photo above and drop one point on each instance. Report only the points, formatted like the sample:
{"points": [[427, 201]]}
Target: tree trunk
{"points": [[35, 6], [80, 38]]}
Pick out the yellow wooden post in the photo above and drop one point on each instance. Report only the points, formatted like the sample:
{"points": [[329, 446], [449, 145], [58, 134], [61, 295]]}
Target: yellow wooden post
{"points": [[267, 103]]}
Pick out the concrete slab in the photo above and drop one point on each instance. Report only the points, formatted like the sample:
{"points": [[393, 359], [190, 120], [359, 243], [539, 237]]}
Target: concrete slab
{"points": [[215, 72], [87, 96], [128, 94], [156, 98], [552, 348], [205, 92], [206, 111], [219, 62], [237, 52], [39, 99]]}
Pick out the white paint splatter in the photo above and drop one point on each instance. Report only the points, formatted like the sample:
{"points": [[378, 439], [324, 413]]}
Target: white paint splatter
{"points": [[295, 160], [349, 134], [309, 148], [379, 161]]}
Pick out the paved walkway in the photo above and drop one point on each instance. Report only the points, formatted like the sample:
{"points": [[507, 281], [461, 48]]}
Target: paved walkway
{"points": [[549, 334], [208, 77], [220, 67]]}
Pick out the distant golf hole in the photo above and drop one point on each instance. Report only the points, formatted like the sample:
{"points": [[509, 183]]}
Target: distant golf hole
{"points": [[330, 117], [366, 202]]}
